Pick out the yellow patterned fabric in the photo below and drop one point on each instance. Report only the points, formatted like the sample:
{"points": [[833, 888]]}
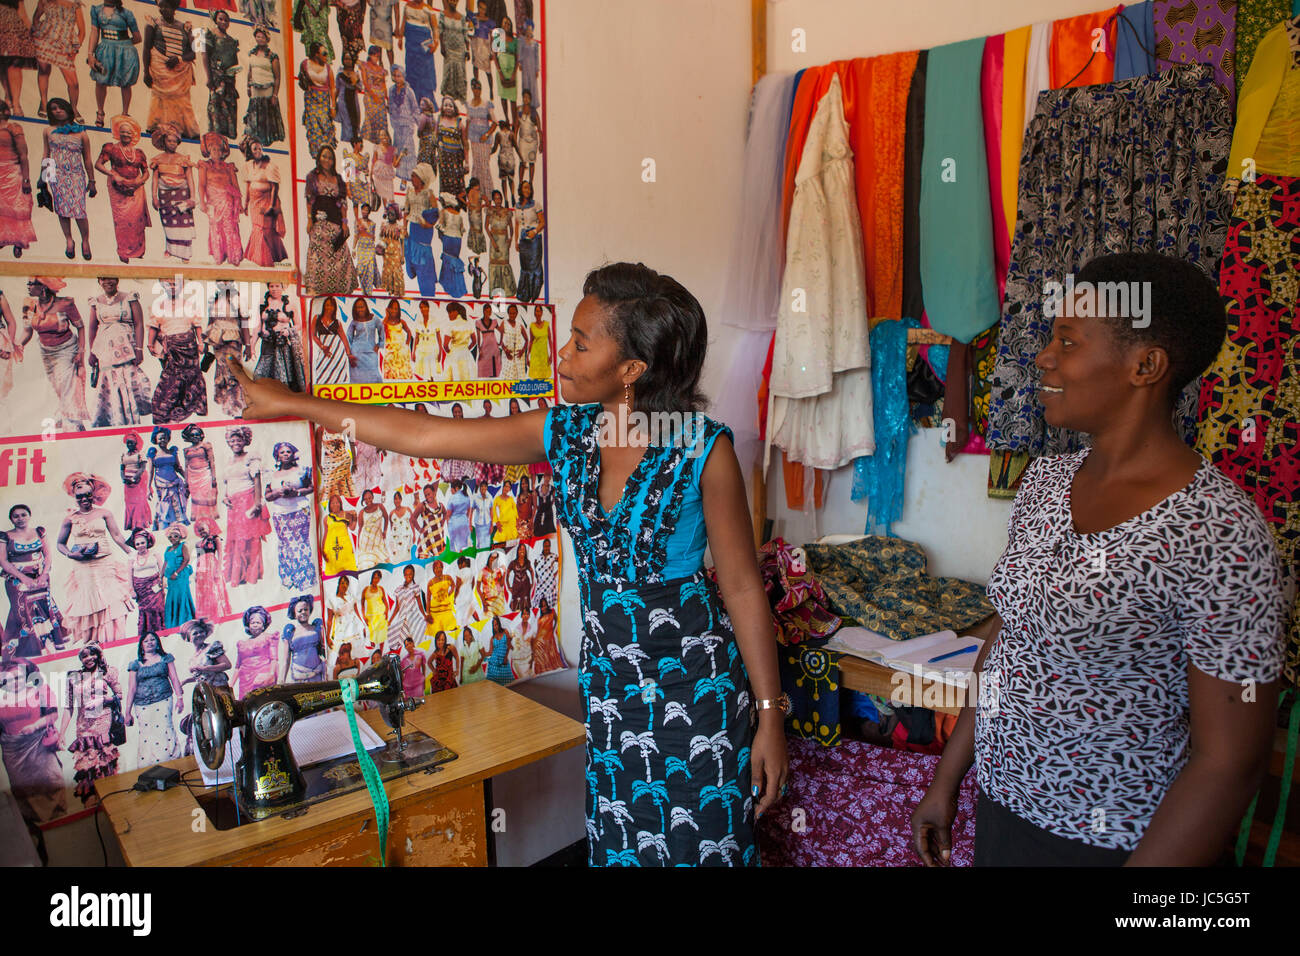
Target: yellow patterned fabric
{"points": [[882, 584]]}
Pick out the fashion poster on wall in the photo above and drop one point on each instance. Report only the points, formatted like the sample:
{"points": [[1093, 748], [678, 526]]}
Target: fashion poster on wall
{"points": [[445, 351], [421, 138], [81, 355], [137, 561], [453, 565], [486, 615], [164, 125]]}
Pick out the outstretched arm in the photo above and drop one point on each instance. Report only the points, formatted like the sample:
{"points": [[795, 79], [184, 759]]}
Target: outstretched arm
{"points": [[511, 440]]}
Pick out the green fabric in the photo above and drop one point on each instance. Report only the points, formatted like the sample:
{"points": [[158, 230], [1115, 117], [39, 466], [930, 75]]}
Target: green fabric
{"points": [[369, 771], [1254, 19], [958, 278], [882, 584]]}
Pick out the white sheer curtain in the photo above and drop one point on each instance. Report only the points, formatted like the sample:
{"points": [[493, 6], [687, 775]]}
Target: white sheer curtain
{"points": [[752, 288]]}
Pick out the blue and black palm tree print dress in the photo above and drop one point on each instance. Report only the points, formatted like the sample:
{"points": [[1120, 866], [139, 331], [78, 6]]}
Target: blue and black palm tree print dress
{"points": [[667, 700]]}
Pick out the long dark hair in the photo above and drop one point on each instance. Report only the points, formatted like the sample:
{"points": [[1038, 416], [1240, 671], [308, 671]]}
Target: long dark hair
{"points": [[139, 647], [654, 318]]}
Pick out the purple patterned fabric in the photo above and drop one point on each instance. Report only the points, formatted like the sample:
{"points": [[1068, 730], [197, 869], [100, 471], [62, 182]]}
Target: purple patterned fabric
{"points": [[858, 801], [1199, 31]]}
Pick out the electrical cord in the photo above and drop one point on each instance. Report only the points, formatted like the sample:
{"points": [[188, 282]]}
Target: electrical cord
{"points": [[103, 848]]}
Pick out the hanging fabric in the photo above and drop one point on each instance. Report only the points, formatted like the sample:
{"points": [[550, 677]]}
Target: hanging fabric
{"points": [[875, 93], [1199, 31], [961, 296], [878, 132], [1098, 177], [1254, 19], [1135, 42], [913, 148], [991, 81], [820, 387], [752, 286], [878, 478], [793, 476], [1015, 51], [956, 400], [1249, 403], [1074, 58], [1250, 400], [1038, 71], [753, 279]]}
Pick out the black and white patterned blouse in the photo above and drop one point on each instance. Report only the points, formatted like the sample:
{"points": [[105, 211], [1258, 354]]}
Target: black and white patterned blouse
{"points": [[1086, 723]]}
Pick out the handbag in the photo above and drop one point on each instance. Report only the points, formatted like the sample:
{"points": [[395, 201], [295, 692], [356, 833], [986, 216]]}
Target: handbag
{"points": [[117, 726]]}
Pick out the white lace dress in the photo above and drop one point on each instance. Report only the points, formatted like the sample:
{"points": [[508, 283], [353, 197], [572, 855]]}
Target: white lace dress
{"points": [[820, 390]]}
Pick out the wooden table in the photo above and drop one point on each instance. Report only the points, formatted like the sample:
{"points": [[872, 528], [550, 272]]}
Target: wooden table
{"points": [[437, 819], [868, 677]]}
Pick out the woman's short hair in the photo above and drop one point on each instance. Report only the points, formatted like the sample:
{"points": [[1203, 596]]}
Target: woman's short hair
{"points": [[1186, 315], [654, 318]]}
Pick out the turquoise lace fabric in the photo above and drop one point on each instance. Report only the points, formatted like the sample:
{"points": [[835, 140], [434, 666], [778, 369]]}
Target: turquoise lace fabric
{"points": [[878, 478]]}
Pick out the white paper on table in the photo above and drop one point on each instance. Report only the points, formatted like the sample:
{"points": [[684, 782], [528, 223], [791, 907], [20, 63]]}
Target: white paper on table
{"points": [[858, 642], [319, 737], [911, 656]]}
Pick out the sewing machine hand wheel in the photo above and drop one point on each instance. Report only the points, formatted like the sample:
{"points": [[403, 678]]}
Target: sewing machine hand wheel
{"points": [[211, 726]]}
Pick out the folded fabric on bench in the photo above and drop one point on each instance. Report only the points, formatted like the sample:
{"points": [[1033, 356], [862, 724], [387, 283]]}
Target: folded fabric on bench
{"points": [[882, 584]]}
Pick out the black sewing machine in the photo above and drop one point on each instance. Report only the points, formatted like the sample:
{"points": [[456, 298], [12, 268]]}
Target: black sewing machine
{"points": [[268, 780]]}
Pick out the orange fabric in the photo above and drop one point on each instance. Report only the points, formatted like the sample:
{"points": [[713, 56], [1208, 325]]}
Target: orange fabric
{"points": [[944, 725], [878, 160], [1072, 45], [874, 90], [792, 471], [806, 97]]}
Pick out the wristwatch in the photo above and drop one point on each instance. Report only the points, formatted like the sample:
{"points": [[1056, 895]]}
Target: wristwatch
{"points": [[782, 702]]}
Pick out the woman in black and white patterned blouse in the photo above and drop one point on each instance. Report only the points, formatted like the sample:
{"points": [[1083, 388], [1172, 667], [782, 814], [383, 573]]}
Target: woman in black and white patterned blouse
{"points": [[1128, 696]]}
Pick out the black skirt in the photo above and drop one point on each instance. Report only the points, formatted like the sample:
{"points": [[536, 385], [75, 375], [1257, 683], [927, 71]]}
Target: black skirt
{"points": [[1004, 839]]}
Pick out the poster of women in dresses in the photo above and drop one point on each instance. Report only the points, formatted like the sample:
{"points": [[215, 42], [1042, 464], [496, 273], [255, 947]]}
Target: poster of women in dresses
{"points": [[371, 340], [103, 355], [448, 99], [406, 571], [101, 543], [85, 94]]}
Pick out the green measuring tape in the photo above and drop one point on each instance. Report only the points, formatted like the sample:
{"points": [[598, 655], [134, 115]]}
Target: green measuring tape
{"points": [[378, 797], [1284, 794]]}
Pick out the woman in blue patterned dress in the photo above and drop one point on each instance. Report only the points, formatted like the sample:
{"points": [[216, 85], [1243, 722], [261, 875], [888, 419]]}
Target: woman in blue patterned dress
{"points": [[364, 341], [113, 60], [675, 769]]}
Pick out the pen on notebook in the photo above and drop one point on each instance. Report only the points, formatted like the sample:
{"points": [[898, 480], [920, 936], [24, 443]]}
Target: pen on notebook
{"points": [[944, 657]]}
